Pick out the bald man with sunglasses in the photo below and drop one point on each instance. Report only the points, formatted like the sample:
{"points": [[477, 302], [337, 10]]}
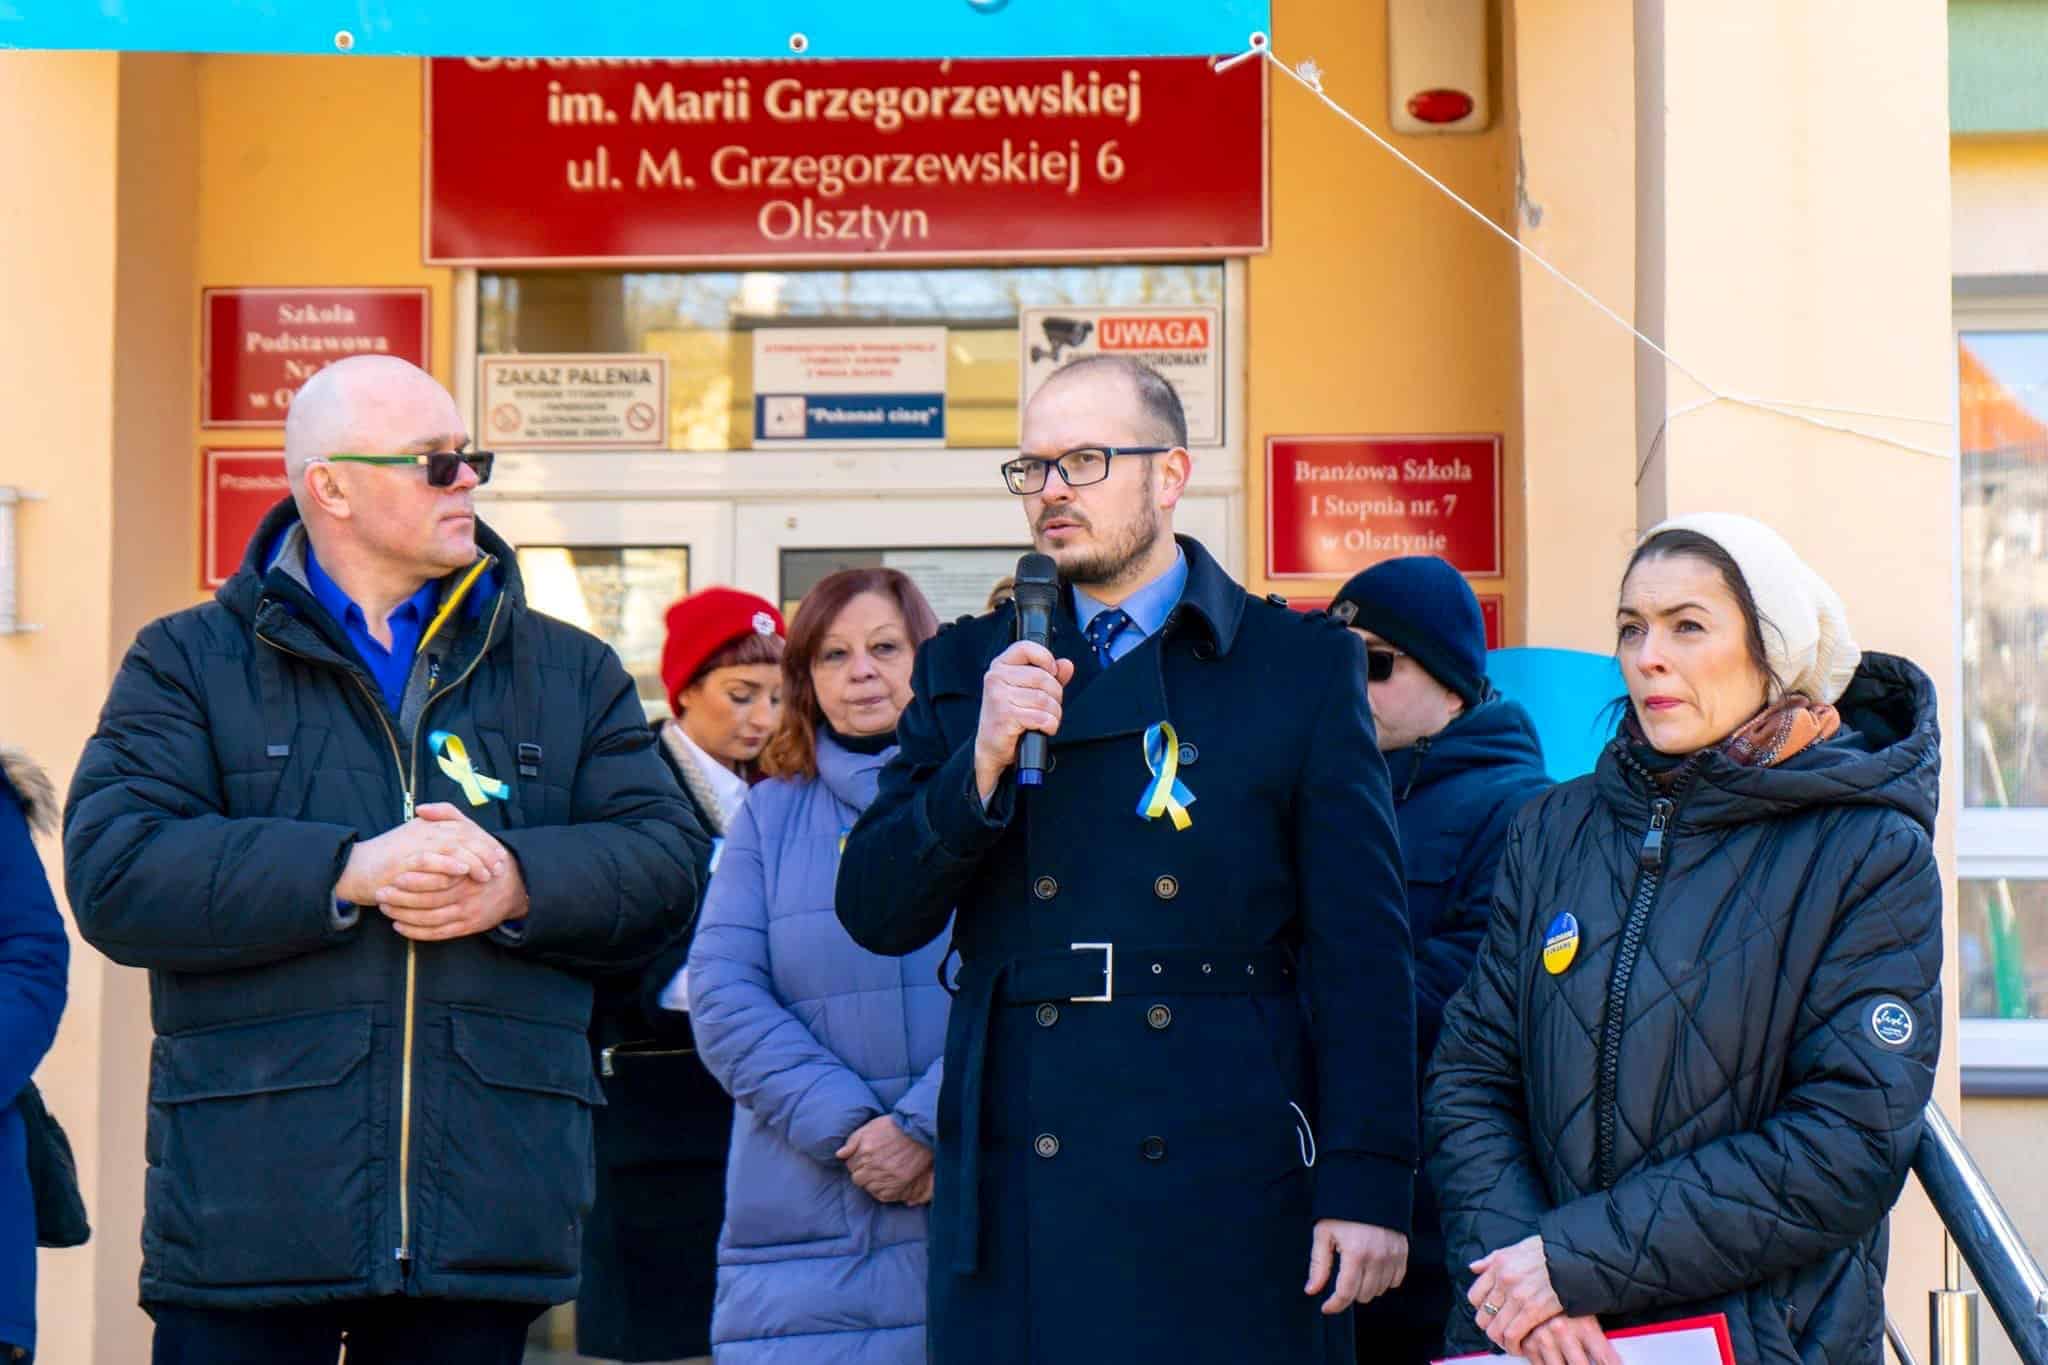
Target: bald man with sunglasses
{"points": [[372, 825]]}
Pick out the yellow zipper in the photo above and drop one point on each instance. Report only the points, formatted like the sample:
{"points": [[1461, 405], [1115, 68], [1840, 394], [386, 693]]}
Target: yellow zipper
{"points": [[408, 777]]}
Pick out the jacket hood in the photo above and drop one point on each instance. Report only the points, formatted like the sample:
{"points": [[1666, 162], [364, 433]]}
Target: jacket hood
{"points": [[275, 558], [851, 777], [31, 787], [1497, 733], [1887, 754]]}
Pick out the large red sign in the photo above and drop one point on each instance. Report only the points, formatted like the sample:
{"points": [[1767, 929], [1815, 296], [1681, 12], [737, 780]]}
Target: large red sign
{"points": [[257, 346], [237, 488], [563, 161], [1336, 504]]}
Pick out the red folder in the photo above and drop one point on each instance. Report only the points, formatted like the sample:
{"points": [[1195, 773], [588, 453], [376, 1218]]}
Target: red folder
{"points": [[1689, 1341]]}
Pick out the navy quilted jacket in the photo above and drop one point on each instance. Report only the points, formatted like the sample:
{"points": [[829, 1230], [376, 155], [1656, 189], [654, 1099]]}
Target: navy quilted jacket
{"points": [[1712, 1105]]}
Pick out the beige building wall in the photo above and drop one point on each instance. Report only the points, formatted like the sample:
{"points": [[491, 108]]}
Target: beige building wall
{"points": [[57, 293], [1381, 308]]}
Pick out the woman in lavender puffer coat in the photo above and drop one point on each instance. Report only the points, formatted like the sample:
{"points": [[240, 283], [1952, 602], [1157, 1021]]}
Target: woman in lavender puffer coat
{"points": [[830, 1052]]}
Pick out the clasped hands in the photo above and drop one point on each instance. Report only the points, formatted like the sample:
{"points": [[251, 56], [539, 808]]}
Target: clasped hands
{"points": [[889, 1164], [439, 875], [1514, 1304]]}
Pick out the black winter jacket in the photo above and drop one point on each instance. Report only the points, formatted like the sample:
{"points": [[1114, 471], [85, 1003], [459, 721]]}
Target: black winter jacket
{"points": [[1455, 795], [334, 1111], [1711, 1107]]}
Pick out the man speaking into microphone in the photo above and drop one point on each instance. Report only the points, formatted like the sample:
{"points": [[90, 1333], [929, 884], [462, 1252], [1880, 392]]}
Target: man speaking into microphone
{"points": [[1178, 1120]]}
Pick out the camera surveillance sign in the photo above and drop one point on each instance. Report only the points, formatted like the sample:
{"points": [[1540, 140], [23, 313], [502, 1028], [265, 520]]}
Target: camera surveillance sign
{"points": [[1183, 343]]}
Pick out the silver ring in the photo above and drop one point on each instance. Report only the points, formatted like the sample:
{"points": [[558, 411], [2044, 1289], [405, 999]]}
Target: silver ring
{"points": [[1490, 1309]]}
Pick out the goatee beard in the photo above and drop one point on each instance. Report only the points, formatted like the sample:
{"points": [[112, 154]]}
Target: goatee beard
{"points": [[1113, 562]]}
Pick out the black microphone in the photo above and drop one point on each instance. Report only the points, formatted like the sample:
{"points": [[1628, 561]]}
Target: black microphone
{"points": [[1038, 591]]}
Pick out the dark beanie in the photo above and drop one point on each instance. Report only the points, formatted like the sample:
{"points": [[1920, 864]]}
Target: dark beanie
{"points": [[1423, 607]]}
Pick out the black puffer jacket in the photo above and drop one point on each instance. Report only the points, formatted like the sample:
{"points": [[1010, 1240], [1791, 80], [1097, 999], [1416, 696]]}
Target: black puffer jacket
{"points": [[335, 1111], [1713, 1105]]}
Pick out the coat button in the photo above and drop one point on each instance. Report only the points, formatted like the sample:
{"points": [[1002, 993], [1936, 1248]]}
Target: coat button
{"points": [[1159, 1016], [1153, 1148], [1166, 888], [1204, 651], [1047, 1146], [1188, 754], [1045, 888], [1048, 1015]]}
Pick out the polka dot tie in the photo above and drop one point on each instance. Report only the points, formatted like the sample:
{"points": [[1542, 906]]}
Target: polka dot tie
{"points": [[1103, 630]]}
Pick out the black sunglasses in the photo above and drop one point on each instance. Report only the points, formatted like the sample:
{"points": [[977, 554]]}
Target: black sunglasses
{"points": [[441, 464], [1379, 663]]}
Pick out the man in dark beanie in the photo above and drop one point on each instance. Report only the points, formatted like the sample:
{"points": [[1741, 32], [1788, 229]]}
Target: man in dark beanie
{"points": [[1463, 762]]}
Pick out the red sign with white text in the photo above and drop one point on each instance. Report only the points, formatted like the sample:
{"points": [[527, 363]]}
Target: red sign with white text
{"points": [[1490, 604], [1338, 504], [560, 161], [237, 488], [257, 346]]}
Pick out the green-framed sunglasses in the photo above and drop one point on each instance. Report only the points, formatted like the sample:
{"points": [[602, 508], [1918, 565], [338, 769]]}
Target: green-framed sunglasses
{"points": [[441, 464]]}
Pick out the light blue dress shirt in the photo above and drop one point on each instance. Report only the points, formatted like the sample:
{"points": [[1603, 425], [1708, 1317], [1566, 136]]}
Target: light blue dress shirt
{"points": [[1148, 607]]}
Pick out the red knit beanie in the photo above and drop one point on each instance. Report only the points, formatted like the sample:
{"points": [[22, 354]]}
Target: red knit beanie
{"points": [[702, 624]]}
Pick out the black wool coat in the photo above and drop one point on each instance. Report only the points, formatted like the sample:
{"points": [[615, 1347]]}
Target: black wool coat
{"points": [[650, 1245], [1710, 1105], [1135, 1140], [337, 1112]]}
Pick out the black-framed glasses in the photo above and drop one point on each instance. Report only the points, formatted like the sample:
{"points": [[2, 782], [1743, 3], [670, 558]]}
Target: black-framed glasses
{"points": [[1080, 467], [441, 464], [1379, 663]]}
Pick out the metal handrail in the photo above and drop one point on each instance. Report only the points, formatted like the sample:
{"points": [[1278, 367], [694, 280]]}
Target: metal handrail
{"points": [[2005, 1270], [1900, 1351]]}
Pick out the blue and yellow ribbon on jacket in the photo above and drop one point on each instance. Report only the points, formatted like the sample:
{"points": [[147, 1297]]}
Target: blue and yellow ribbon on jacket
{"points": [[454, 760], [1165, 794]]}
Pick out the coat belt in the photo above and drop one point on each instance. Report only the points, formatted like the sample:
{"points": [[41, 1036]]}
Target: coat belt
{"points": [[1086, 973]]}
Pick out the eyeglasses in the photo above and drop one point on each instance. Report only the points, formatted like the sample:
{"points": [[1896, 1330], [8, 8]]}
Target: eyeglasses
{"points": [[1080, 467], [441, 464], [1379, 663]]}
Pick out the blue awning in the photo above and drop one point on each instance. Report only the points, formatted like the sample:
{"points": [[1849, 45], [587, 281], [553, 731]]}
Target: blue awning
{"points": [[643, 28]]}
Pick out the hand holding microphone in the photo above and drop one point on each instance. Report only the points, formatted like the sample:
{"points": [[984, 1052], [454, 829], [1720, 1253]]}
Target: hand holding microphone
{"points": [[1023, 689]]}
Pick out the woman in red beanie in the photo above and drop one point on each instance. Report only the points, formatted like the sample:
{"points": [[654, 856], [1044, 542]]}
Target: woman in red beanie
{"points": [[650, 1244]]}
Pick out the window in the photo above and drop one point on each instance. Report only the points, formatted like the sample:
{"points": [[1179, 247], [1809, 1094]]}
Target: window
{"points": [[620, 594], [704, 323], [955, 581], [2002, 945]]}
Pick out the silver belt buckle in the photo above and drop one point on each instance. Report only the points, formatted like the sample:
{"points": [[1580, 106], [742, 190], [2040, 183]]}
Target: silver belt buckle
{"points": [[1108, 951]]}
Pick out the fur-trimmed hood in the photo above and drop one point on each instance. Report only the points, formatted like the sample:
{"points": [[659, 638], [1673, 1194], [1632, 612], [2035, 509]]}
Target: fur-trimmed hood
{"points": [[32, 786]]}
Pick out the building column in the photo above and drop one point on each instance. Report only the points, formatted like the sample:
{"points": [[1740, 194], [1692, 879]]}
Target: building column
{"points": [[1570, 73], [97, 384]]}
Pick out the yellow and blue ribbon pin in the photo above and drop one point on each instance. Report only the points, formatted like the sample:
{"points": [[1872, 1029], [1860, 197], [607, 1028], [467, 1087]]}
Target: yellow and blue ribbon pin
{"points": [[454, 760], [1560, 943], [1165, 794]]}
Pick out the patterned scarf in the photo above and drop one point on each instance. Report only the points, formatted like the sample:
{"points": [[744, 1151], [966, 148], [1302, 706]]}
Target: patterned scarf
{"points": [[719, 813], [1788, 726]]}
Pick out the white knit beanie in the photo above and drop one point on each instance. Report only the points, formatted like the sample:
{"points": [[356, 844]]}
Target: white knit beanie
{"points": [[1805, 627]]}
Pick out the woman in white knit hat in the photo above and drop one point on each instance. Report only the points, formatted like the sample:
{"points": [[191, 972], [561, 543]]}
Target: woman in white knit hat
{"points": [[1688, 1074]]}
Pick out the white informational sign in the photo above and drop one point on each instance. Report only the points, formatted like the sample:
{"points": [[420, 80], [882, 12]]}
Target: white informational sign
{"points": [[1183, 343], [955, 582], [572, 402], [849, 386]]}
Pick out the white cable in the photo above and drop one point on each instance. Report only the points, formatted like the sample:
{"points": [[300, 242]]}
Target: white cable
{"points": [[1309, 78], [1304, 1136]]}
